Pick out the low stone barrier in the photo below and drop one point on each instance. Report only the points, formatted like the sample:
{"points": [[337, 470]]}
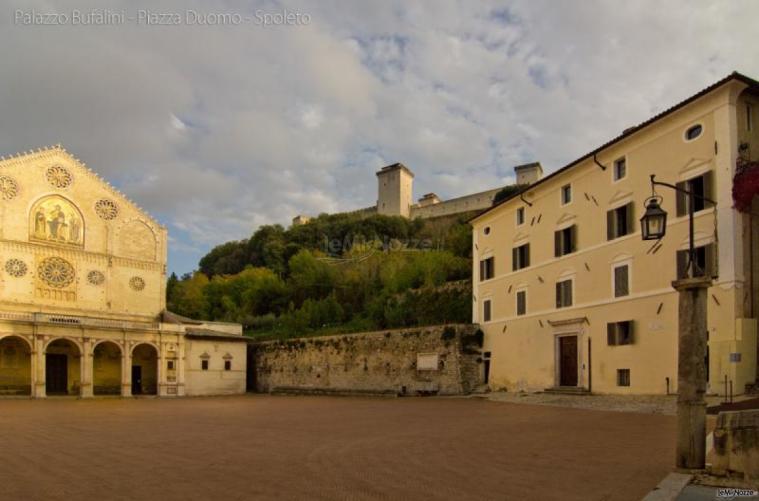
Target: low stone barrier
{"points": [[437, 360], [736, 444]]}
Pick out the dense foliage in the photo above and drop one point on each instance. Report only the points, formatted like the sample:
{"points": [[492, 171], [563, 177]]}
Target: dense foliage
{"points": [[338, 273], [506, 192]]}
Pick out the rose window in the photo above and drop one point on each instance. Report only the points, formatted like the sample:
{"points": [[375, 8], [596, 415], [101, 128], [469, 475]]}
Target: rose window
{"points": [[137, 283], [106, 209], [56, 272], [95, 277], [58, 176], [15, 268], [8, 188]]}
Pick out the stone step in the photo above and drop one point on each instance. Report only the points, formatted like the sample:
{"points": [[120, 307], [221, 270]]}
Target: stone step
{"points": [[567, 390]]}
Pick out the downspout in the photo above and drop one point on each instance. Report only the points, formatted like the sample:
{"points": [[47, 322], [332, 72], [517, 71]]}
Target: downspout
{"points": [[595, 159]]}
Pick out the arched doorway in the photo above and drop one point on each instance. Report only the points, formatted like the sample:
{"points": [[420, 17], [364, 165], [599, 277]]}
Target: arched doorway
{"points": [[15, 366], [106, 369], [144, 370], [63, 368]]}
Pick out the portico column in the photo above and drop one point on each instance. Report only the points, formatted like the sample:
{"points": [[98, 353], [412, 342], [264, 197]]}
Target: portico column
{"points": [[86, 362], [38, 379], [126, 370]]}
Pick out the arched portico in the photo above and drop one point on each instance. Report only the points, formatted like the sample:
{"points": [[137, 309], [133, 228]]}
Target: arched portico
{"points": [[144, 370], [63, 367], [15, 366], [106, 370]]}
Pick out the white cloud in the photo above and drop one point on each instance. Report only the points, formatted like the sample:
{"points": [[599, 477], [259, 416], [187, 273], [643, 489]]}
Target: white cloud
{"points": [[265, 123]]}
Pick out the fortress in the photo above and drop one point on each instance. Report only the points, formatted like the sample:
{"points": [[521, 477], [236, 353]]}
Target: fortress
{"points": [[395, 195]]}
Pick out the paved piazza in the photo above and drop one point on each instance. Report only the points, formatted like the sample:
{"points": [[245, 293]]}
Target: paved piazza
{"points": [[327, 448]]}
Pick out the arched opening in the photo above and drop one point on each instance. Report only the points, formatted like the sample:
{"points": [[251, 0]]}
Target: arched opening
{"points": [[106, 369], [62, 368], [144, 370], [15, 366]]}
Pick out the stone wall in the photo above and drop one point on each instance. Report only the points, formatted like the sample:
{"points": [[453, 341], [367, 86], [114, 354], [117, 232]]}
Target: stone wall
{"points": [[476, 201], [443, 360]]}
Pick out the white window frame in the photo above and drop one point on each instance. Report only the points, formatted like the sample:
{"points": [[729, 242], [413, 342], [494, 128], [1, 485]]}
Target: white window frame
{"points": [[571, 194], [516, 302], [689, 127], [614, 266], [614, 178]]}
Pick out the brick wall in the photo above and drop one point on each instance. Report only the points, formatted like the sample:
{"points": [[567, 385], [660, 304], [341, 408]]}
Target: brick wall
{"points": [[383, 362]]}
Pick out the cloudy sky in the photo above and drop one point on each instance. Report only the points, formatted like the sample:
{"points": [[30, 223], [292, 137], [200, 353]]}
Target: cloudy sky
{"points": [[219, 129]]}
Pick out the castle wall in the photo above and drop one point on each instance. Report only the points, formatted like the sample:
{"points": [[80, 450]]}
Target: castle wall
{"points": [[476, 201]]}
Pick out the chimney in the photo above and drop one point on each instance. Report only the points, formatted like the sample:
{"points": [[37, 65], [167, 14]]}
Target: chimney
{"points": [[528, 173]]}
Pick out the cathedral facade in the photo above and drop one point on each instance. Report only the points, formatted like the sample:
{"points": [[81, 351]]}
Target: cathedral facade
{"points": [[82, 293]]}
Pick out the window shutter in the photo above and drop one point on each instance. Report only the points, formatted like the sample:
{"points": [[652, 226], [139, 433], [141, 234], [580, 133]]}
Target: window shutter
{"points": [[682, 263], [573, 238], [621, 284], [708, 181], [558, 295], [682, 207], [514, 264], [482, 270], [526, 255], [631, 331], [568, 297], [630, 208], [711, 261], [611, 334], [610, 219], [557, 243]]}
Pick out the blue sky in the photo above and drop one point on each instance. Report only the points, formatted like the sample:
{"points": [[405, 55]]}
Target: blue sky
{"points": [[219, 129]]}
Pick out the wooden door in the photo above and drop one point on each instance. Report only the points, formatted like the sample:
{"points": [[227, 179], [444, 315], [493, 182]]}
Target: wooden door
{"points": [[568, 361], [136, 380], [56, 374]]}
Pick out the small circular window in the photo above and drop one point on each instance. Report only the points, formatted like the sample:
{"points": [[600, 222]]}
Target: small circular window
{"points": [[487, 230], [693, 132]]}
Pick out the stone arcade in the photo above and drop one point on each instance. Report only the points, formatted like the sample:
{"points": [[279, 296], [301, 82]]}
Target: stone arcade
{"points": [[82, 293]]}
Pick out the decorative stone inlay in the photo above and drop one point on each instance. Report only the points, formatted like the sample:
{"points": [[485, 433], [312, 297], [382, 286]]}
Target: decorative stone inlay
{"points": [[58, 176], [106, 209], [95, 277], [137, 283], [8, 188], [56, 272], [16, 268]]}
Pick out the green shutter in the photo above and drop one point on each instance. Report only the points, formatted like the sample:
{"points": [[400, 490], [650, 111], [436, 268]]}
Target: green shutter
{"points": [[630, 217], [682, 263], [681, 198], [610, 220], [611, 334]]}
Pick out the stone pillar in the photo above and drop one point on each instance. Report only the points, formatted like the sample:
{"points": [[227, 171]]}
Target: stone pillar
{"points": [[38, 366], [691, 372], [126, 370], [86, 369]]}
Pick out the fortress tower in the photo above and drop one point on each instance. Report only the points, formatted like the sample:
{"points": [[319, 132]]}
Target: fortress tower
{"points": [[395, 186]]}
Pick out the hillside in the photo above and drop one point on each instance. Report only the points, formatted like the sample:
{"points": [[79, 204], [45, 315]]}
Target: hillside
{"points": [[338, 273]]}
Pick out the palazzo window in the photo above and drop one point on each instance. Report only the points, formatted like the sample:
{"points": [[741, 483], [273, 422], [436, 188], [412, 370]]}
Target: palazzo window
{"points": [[619, 333], [486, 313], [487, 268], [520, 257], [566, 194], [521, 302], [705, 258], [565, 241], [620, 169], [520, 216], [227, 365], [620, 221], [622, 280], [701, 186], [623, 377], [564, 293], [204, 365]]}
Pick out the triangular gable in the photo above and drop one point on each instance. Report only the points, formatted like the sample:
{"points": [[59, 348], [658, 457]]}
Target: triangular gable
{"points": [[620, 196], [50, 152], [565, 218]]}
